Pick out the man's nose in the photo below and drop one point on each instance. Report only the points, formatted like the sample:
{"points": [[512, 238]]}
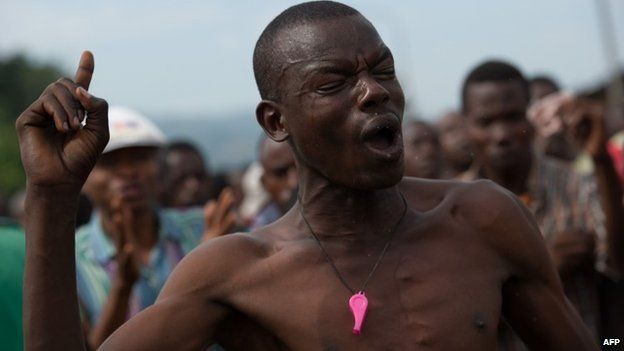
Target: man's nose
{"points": [[502, 134], [192, 183], [292, 178], [372, 94]]}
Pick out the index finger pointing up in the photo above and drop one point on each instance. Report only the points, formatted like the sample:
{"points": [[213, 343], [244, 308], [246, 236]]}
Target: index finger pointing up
{"points": [[85, 70]]}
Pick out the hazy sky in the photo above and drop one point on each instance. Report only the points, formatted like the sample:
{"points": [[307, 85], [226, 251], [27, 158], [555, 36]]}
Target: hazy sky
{"points": [[194, 57]]}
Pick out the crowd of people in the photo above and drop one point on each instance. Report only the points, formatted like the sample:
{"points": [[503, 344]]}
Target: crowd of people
{"points": [[498, 225]]}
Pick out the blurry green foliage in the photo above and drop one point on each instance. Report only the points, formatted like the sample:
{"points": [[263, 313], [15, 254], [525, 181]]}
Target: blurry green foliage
{"points": [[21, 82]]}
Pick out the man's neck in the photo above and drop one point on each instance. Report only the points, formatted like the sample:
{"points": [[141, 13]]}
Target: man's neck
{"points": [[336, 211]]}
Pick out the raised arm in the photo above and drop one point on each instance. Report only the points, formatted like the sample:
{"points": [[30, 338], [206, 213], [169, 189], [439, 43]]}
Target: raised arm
{"points": [[593, 114], [584, 123], [533, 300], [57, 154]]}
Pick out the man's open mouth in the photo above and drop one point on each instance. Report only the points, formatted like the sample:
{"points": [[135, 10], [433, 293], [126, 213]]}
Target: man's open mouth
{"points": [[382, 135]]}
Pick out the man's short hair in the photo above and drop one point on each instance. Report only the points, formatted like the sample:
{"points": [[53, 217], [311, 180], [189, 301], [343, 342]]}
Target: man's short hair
{"points": [[177, 146], [266, 63], [545, 80], [182, 145], [493, 71]]}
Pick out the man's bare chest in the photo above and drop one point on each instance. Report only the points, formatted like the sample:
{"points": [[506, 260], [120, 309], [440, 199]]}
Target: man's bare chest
{"points": [[434, 296]]}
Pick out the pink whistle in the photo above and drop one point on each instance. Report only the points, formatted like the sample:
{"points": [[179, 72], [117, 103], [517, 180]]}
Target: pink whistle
{"points": [[358, 304]]}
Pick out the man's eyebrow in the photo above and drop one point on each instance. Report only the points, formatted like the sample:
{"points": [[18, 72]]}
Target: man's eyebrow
{"points": [[384, 55], [339, 66], [336, 66]]}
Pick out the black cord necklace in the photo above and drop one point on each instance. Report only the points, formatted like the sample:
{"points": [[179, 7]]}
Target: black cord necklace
{"points": [[358, 303]]}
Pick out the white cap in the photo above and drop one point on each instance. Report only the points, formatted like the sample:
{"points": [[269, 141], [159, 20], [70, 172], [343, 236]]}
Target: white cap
{"points": [[255, 195], [129, 128]]}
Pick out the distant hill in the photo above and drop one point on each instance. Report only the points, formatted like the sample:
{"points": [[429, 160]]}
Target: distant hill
{"points": [[229, 142]]}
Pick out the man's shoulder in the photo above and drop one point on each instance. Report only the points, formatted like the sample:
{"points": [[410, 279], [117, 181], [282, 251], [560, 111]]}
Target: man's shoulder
{"points": [[240, 241], [220, 266], [481, 206], [494, 216], [232, 251], [427, 193], [442, 186]]}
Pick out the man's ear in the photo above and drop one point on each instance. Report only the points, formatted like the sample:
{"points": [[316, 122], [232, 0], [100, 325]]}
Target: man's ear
{"points": [[271, 119]]}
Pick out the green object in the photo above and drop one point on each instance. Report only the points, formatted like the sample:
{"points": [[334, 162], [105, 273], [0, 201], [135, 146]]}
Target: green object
{"points": [[21, 82], [12, 252]]}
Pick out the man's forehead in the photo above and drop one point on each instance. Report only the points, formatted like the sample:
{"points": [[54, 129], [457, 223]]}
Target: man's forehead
{"points": [[183, 156], [328, 42], [494, 92]]}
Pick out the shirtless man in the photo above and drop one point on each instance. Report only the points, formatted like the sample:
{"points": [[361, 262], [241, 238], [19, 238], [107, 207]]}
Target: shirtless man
{"points": [[461, 255]]}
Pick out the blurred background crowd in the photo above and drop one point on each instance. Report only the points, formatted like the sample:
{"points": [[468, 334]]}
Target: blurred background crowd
{"points": [[187, 162]]}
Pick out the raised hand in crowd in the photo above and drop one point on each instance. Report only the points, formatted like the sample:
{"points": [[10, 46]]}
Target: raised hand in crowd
{"points": [[128, 259], [128, 256], [583, 121], [219, 215]]}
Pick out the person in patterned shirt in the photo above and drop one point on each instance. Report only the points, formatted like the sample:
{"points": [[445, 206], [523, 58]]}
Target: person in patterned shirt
{"points": [[577, 215], [130, 246]]}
